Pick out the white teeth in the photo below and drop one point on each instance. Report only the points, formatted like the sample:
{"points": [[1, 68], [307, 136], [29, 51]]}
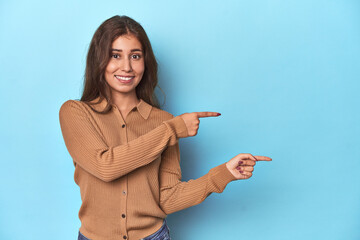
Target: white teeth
{"points": [[123, 78]]}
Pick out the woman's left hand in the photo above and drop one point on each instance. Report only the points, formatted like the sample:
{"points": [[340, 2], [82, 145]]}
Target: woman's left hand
{"points": [[242, 165]]}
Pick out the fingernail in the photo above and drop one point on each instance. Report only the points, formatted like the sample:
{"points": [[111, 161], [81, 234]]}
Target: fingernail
{"points": [[240, 162], [241, 171], [238, 167], [219, 114]]}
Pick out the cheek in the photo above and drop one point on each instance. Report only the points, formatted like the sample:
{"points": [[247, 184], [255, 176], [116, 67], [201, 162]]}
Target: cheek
{"points": [[109, 71], [140, 68], [111, 68]]}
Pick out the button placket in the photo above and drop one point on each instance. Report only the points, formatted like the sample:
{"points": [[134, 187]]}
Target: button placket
{"points": [[122, 121], [124, 182], [124, 206]]}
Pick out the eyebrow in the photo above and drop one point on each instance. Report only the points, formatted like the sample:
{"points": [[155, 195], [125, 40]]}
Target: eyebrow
{"points": [[132, 50]]}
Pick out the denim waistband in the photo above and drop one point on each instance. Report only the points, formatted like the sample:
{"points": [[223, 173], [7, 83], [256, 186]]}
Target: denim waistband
{"points": [[159, 233], [162, 233]]}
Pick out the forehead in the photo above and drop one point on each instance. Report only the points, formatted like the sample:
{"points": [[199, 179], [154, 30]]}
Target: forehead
{"points": [[126, 42]]}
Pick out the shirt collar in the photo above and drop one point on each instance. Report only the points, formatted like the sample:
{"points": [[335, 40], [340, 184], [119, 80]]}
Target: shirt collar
{"points": [[143, 107]]}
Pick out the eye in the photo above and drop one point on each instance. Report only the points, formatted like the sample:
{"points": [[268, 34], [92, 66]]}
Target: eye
{"points": [[136, 56], [115, 55]]}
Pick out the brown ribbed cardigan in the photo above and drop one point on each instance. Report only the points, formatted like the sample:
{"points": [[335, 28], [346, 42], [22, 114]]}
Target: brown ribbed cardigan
{"points": [[128, 170]]}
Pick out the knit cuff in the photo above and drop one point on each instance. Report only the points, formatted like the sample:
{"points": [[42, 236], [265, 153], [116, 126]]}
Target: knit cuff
{"points": [[178, 125], [220, 177]]}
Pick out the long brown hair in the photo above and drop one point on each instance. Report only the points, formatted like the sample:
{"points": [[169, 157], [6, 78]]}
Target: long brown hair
{"points": [[99, 55]]}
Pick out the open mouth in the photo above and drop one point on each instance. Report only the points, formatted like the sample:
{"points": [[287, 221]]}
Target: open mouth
{"points": [[124, 79]]}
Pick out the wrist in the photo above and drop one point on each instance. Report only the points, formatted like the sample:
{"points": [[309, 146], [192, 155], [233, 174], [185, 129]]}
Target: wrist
{"points": [[178, 125]]}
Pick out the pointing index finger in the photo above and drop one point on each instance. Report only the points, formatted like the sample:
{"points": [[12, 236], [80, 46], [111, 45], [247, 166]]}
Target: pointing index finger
{"points": [[207, 114], [262, 158]]}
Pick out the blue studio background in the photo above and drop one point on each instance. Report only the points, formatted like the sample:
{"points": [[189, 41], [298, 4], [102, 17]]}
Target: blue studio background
{"points": [[283, 74]]}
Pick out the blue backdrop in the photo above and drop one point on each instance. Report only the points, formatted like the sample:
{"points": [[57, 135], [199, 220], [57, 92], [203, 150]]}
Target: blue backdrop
{"points": [[283, 74]]}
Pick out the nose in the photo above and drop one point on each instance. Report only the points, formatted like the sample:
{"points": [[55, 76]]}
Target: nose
{"points": [[126, 66]]}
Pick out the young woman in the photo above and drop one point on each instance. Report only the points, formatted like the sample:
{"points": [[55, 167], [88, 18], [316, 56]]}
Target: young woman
{"points": [[125, 148]]}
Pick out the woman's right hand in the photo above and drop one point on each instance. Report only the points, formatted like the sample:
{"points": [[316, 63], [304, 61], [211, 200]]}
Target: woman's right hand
{"points": [[192, 120]]}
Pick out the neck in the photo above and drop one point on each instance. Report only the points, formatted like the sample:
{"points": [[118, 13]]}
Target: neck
{"points": [[125, 101]]}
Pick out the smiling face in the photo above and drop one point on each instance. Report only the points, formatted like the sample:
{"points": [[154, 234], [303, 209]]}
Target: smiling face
{"points": [[126, 66]]}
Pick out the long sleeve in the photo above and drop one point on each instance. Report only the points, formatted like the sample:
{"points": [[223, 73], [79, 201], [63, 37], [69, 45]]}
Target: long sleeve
{"points": [[87, 147], [176, 195]]}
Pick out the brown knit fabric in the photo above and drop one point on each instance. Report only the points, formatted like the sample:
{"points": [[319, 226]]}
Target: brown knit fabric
{"points": [[128, 170]]}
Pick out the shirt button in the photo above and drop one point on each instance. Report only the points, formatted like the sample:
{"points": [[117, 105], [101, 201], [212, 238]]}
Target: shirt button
{"points": [[123, 126], [123, 215], [124, 237], [124, 192]]}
